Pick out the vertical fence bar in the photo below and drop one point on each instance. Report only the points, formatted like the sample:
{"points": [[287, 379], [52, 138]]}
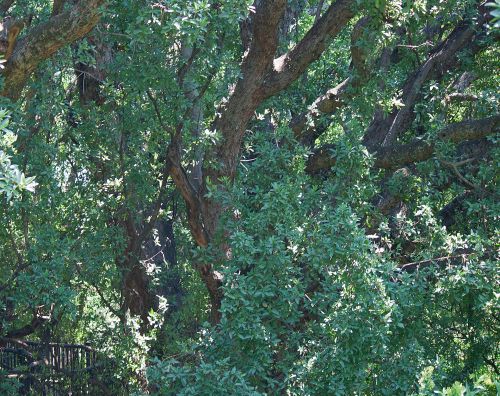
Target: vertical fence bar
{"points": [[68, 368]]}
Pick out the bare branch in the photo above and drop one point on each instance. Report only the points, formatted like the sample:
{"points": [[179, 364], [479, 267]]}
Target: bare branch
{"points": [[424, 44], [464, 81], [460, 97], [459, 259], [454, 166]]}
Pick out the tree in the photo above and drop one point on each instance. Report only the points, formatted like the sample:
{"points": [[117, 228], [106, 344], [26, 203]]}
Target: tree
{"points": [[334, 167]]}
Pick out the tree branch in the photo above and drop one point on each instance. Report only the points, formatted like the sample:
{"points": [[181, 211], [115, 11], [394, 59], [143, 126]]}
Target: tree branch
{"points": [[303, 125], [247, 94], [460, 97], [44, 40], [454, 259], [190, 195], [105, 301], [457, 40], [444, 57], [30, 328], [5, 5], [359, 49], [416, 151], [288, 67], [58, 6]]}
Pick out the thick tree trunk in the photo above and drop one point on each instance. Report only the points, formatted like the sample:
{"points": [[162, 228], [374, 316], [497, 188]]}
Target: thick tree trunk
{"points": [[136, 291], [261, 77]]}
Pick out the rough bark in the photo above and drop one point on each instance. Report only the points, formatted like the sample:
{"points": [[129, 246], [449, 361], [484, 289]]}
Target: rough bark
{"points": [[231, 124], [247, 94], [192, 94], [384, 131], [288, 67], [10, 29], [416, 151], [261, 77], [44, 40]]}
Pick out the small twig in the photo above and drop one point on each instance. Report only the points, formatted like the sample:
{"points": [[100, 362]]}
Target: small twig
{"points": [[454, 166], [154, 101], [89, 74], [409, 267], [424, 44], [104, 299], [459, 163], [184, 69]]}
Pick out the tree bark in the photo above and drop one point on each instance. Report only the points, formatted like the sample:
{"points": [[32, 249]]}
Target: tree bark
{"points": [[44, 40], [416, 151], [261, 77]]}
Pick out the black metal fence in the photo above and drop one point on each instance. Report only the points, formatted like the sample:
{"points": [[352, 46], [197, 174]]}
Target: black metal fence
{"points": [[52, 369]]}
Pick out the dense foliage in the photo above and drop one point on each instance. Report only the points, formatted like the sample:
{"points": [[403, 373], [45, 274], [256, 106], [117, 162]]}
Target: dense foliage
{"points": [[254, 198]]}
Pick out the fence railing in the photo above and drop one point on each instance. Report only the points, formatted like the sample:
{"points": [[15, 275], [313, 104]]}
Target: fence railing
{"points": [[53, 369]]}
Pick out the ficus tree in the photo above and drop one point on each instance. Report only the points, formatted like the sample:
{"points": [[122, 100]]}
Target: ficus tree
{"points": [[268, 197]]}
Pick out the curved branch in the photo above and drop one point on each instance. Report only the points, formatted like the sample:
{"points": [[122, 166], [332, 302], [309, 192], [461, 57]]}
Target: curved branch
{"points": [[327, 103], [302, 125], [455, 42], [44, 40], [460, 257], [190, 195]]}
